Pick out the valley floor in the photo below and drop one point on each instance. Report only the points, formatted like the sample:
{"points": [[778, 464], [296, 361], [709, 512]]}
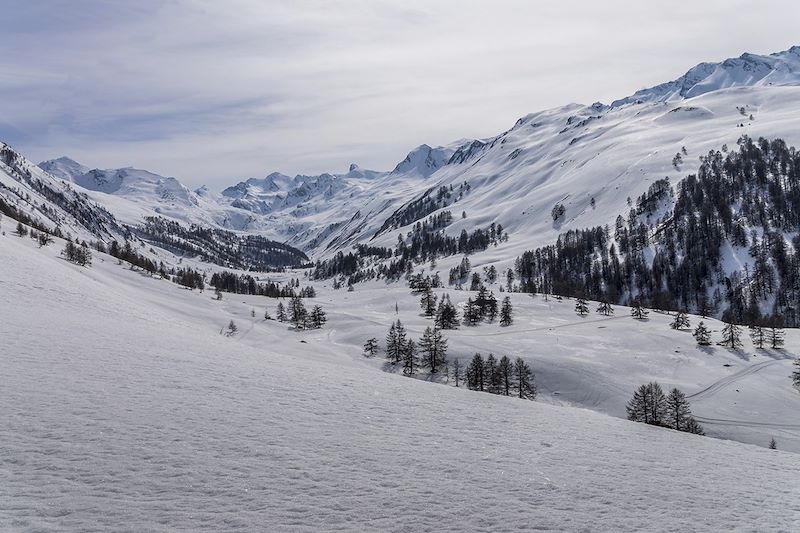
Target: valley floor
{"points": [[123, 408]]}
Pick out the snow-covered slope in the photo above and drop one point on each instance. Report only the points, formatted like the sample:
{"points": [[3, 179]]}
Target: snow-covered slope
{"points": [[123, 408]]}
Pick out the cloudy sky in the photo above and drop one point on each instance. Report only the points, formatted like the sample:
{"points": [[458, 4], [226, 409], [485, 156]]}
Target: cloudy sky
{"points": [[211, 92]]}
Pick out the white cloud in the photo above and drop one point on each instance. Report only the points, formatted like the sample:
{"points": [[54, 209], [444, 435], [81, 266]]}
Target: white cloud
{"points": [[212, 91]]}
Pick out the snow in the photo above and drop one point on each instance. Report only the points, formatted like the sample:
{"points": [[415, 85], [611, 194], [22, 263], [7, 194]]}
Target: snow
{"points": [[122, 408]]}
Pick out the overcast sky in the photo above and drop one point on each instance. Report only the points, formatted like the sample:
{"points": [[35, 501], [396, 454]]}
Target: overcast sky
{"points": [[212, 92]]}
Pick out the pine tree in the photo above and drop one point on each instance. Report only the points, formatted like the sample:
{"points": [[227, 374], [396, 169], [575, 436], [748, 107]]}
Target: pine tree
{"points": [[472, 313], [446, 314], [692, 426], [232, 328], [732, 336], [318, 317], [409, 357], [434, 346], [22, 231], [428, 302], [402, 340], [648, 404], [392, 347], [758, 336], [456, 370], [580, 307], [491, 375], [491, 307], [298, 315], [506, 312], [775, 337], [796, 373], [280, 312], [524, 380], [681, 321], [702, 334], [638, 312], [371, 347], [678, 410], [506, 370], [475, 373], [772, 444], [605, 309]]}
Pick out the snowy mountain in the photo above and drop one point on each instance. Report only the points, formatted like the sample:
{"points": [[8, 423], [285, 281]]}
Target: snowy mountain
{"points": [[748, 70]]}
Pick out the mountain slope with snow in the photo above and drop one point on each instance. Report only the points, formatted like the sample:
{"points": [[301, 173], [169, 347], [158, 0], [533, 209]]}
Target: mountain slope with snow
{"points": [[146, 418]]}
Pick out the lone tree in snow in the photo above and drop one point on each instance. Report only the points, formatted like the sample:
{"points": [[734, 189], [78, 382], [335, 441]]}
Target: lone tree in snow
{"points": [[524, 379], [434, 346], [638, 312], [580, 307], [702, 334], [605, 309], [731, 336], [232, 329], [796, 373], [681, 321], [772, 444], [648, 404], [506, 311], [371, 347]]}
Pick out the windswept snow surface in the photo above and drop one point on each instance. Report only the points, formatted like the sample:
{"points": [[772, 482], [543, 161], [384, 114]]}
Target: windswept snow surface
{"points": [[123, 408]]}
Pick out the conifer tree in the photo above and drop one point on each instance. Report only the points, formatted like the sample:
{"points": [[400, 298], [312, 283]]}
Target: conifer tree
{"points": [[732, 336], [446, 314], [471, 313], [506, 312], [456, 371], [371, 347], [796, 373], [506, 371], [428, 302], [318, 317], [409, 358], [402, 340], [678, 411], [605, 309], [434, 346], [524, 380], [702, 334], [772, 444], [475, 373], [638, 312], [298, 315], [280, 312], [491, 375], [692, 426], [580, 307], [681, 321], [775, 337], [491, 307], [648, 404], [758, 335], [392, 347]]}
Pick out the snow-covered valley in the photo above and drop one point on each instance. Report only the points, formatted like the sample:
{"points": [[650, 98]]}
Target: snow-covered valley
{"points": [[123, 407]]}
